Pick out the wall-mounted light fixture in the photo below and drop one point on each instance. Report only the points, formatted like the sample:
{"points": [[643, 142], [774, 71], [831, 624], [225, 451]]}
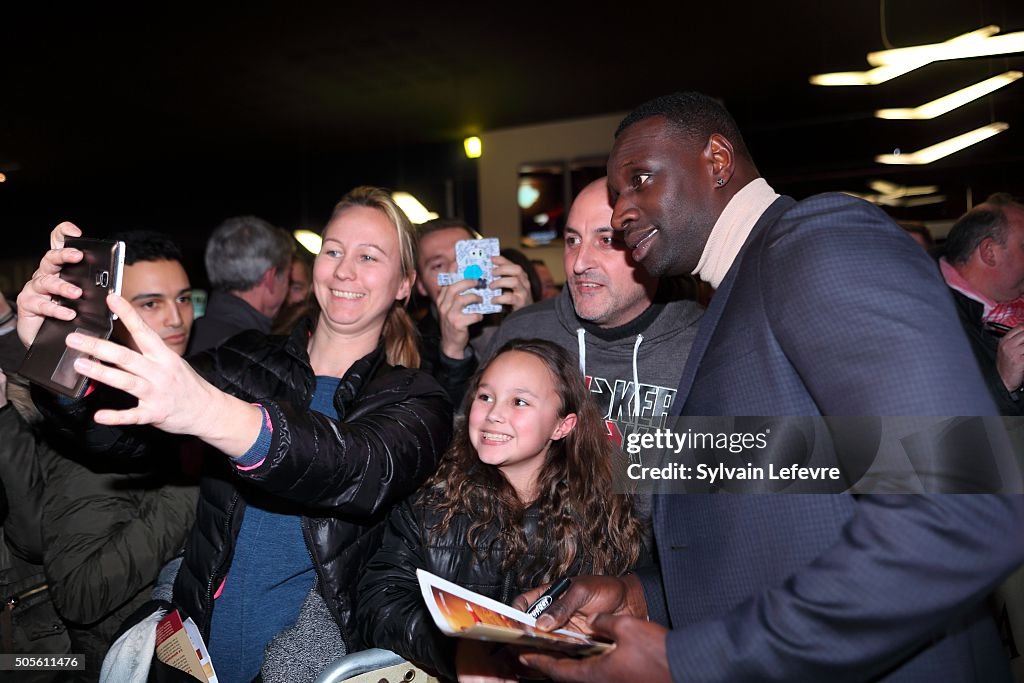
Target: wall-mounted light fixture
{"points": [[473, 146], [953, 100], [943, 149]]}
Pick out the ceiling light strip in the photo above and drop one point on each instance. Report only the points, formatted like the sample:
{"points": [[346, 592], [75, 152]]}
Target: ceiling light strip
{"points": [[892, 63], [894, 190], [899, 54], [953, 100], [875, 76], [964, 48], [944, 148]]}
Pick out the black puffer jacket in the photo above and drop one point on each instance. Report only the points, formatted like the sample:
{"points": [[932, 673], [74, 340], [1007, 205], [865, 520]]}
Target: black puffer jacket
{"points": [[391, 613], [103, 527], [342, 476], [452, 374]]}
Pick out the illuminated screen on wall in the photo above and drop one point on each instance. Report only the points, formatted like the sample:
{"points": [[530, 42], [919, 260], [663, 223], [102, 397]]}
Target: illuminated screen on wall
{"points": [[545, 193]]}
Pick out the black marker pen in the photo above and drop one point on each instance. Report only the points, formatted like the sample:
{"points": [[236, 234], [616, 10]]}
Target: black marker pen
{"points": [[997, 329], [549, 596]]}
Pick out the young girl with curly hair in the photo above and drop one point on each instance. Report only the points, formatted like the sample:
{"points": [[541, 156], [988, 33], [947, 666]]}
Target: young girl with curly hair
{"points": [[523, 496]]}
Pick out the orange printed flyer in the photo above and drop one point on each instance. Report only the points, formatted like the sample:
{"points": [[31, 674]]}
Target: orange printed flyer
{"points": [[179, 644], [464, 614]]}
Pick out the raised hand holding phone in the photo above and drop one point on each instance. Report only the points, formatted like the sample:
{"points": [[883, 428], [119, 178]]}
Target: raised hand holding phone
{"points": [[452, 302], [473, 259], [511, 284], [95, 274], [172, 396], [36, 301]]}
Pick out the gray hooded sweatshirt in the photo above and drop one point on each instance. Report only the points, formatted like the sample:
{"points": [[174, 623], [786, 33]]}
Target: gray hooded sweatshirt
{"points": [[649, 352]]}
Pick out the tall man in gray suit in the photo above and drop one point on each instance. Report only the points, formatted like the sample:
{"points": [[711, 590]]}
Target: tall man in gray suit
{"points": [[822, 307]]}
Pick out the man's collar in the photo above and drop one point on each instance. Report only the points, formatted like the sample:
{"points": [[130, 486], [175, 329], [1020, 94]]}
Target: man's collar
{"points": [[731, 230], [955, 280], [634, 327]]}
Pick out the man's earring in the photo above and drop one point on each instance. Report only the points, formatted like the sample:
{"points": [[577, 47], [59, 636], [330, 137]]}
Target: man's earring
{"points": [[719, 181]]}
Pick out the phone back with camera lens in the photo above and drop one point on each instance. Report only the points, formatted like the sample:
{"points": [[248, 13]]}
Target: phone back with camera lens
{"points": [[49, 362]]}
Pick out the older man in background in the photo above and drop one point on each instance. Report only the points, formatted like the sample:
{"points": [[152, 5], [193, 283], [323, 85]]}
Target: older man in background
{"points": [[247, 262]]}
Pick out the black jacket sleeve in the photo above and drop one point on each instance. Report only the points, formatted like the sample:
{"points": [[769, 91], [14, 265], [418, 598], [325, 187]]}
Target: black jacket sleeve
{"points": [[23, 484], [385, 448], [107, 536], [70, 423], [453, 374], [391, 613]]}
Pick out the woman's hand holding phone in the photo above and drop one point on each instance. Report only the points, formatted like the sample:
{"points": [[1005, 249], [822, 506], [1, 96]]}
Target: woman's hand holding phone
{"points": [[172, 396], [35, 301]]}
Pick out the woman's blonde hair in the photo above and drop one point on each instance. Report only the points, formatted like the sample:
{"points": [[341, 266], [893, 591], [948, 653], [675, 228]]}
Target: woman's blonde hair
{"points": [[399, 333]]}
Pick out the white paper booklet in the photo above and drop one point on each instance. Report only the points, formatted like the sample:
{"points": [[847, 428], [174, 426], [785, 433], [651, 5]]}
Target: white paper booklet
{"points": [[465, 614]]}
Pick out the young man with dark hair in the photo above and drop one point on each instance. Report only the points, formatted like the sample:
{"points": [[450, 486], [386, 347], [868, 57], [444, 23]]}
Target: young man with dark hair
{"points": [[156, 284]]}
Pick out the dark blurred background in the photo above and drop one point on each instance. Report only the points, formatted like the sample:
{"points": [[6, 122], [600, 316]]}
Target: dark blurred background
{"points": [[175, 116]]}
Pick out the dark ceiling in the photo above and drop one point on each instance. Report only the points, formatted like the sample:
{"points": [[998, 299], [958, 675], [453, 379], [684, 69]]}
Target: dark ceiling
{"points": [[175, 116]]}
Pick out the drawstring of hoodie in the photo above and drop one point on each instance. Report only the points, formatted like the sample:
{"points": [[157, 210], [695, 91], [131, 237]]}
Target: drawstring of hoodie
{"points": [[582, 348], [636, 378]]}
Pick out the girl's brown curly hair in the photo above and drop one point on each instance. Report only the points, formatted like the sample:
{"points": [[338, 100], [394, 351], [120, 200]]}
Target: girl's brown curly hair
{"points": [[579, 513]]}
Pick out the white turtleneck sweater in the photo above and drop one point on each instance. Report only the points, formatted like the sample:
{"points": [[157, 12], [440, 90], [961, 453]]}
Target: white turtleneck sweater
{"points": [[731, 230]]}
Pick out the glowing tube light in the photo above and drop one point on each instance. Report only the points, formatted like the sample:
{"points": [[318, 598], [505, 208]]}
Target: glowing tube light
{"points": [[944, 148], [953, 100]]}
